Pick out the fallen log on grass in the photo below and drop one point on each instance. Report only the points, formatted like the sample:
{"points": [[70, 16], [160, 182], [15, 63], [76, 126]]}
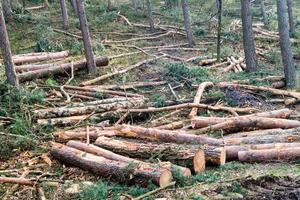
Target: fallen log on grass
{"points": [[201, 122], [89, 148], [122, 171], [81, 133], [189, 154], [127, 86], [172, 126], [60, 69], [268, 155], [20, 181], [17, 59]]}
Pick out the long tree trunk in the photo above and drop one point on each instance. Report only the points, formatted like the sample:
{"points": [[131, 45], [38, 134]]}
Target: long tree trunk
{"points": [[6, 52], [285, 45], [109, 5], [187, 22], [149, 15], [86, 38], [219, 6], [248, 37], [264, 14], [64, 14], [104, 167], [74, 5], [291, 17], [7, 8]]}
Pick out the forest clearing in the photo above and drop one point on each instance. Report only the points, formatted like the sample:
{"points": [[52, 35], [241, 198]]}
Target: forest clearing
{"points": [[149, 99]]}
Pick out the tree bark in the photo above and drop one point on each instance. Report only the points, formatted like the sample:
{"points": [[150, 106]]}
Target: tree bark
{"points": [[122, 171], [291, 17], [187, 22], [264, 14], [61, 69], [149, 15], [86, 38], [7, 8], [64, 14], [167, 151], [21, 181], [268, 155], [285, 45], [248, 37], [10, 71], [109, 5], [89, 148], [74, 5], [219, 7], [201, 122]]}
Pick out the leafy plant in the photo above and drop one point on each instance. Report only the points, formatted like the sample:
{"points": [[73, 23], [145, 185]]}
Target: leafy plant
{"points": [[158, 100], [97, 192]]}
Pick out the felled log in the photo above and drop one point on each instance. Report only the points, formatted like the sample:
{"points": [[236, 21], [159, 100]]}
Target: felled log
{"points": [[172, 126], [72, 111], [233, 64], [153, 134], [21, 181], [89, 148], [198, 96], [122, 171], [263, 89], [190, 154], [127, 86], [258, 133], [267, 155], [251, 122], [62, 121], [207, 61], [38, 58], [200, 122], [33, 67], [60, 69]]}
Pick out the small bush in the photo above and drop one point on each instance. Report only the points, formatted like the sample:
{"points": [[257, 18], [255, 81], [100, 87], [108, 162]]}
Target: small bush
{"points": [[97, 192], [158, 100]]}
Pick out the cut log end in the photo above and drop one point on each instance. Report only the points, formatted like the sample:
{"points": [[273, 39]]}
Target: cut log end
{"points": [[199, 161], [222, 155], [165, 178]]}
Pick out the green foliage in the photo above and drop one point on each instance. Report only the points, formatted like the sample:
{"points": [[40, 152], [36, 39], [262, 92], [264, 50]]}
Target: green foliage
{"points": [[273, 57], [51, 82], [227, 51], [97, 192], [232, 35], [200, 32], [180, 179], [158, 100], [207, 177], [197, 197]]}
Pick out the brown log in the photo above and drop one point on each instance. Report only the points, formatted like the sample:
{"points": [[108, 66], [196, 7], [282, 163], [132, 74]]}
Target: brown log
{"points": [[153, 134], [267, 155], [251, 122], [66, 112], [89, 148], [32, 67], [127, 86], [21, 181], [201, 122], [39, 58], [198, 96], [207, 62], [62, 121], [166, 151], [60, 69], [278, 84], [262, 88], [172, 126], [257, 133], [108, 168]]}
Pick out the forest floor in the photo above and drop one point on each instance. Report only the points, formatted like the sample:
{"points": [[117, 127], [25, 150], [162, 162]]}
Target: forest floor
{"points": [[24, 144]]}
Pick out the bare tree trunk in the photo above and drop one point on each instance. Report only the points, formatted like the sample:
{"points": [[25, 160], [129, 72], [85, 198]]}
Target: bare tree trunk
{"points": [[6, 52], [7, 8], [285, 44], [64, 14], [109, 5], [291, 17], [264, 14], [248, 37], [149, 15], [219, 6], [86, 38], [74, 5], [187, 22], [46, 3]]}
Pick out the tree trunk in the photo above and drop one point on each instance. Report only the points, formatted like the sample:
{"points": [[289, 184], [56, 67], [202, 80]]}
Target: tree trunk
{"points": [[201, 122], [149, 15], [6, 52], [264, 14], [74, 5], [86, 38], [60, 69], [291, 17], [89, 148], [285, 45], [248, 37], [187, 22], [7, 8], [64, 14], [190, 154], [268, 155], [219, 7], [109, 5], [123, 172], [153, 134]]}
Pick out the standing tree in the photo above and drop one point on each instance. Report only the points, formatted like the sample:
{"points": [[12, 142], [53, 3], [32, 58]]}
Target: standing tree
{"points": [[46, 4], [6, 52], [86, 38], [7, 8], [248, 37], [187, 22], [64, 14], [74, 5], [264, 14], [219, 6], [291, 17], [149, 15], [285, 44], [109, 5]]}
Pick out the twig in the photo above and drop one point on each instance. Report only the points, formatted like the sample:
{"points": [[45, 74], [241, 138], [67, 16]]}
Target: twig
{"points": [[154, 191], [62, 87], [87, 134], [67, 33]]}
